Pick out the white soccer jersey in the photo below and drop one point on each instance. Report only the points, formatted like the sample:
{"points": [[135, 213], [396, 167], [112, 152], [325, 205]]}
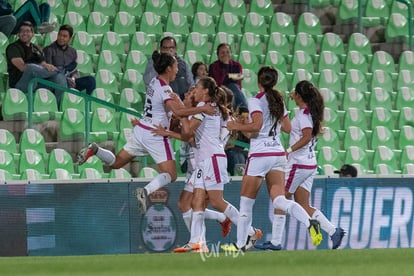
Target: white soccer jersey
{"points": [[207, 136], [306, 154], [155, 111], [268, 138]]}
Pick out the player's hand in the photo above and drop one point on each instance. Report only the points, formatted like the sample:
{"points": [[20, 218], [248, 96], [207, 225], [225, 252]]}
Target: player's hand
{"points": [[159, 130], [134, 122], [208, 109]]}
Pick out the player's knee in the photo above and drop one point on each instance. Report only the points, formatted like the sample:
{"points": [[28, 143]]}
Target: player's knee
{"points": [[281, 203]]}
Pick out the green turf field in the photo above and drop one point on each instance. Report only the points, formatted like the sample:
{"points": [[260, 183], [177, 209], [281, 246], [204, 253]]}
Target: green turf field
{"points": [[373, 262]]}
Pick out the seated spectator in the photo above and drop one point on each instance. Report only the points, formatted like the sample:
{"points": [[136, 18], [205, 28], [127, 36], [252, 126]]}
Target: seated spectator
{"points": [[26, 61], [63, 57], [228, 72], [347, 171], [199, 70]]}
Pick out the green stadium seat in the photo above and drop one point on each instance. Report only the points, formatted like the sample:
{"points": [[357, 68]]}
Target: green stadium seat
{"points": [[356, 155], [406, 137], [396, 28], [72, 125], [104, 95], [148, 172], [125, 25], [120, 174], [136, 60], [405, 78], [124, 119], [203, 23], [355, 136], [380, 97], [81, 7], [123, 137], [93, 162], [361, 43], [355, 117], [103, 125], [8, 142], [91, 174], [186, 8], [132, 78], [328, 169], [329, 97], [384, 169], [355, 78], [58, 8], [354, 98], [249, 60], [76, 20], [31, 159], [45, 106], [309, 23], [382, 117], [264, 7], [347, 11], [159, 7], [210, 7], [398, 7], [406, 60], [106, 79], [355, 60], [256, 23], [300, 75], [31, 175], [304, 42], [404, 97], [382, 136], [33, 139], [283, 23], [4, 42], [85, 63], [143, 42], [106, 7], [131, 98], [385, 155], [382, 60], [15, 105], [276, 59], [192, 56], [375, 13], [381, 79], [152, 25], [329, 138], [408, 169], [198, 42], [60, 174], [318, 4], [177, 23], [333, 42], [406, 117], [250, 80], [282, 82], [279, 42], [329, 155], [331, 119], [253, 43], [5, 176], [97, 24], [407, 155], [7, 161], [109, 60], [82, 40], [132, 6], [237, 7], [60, 159], [301, 60], [49, 38], [328, 60], [229, 23], [70, 100]]}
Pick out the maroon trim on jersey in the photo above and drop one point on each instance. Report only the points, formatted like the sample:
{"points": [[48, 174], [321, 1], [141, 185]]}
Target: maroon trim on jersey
{"points": [[216, 167], [292, 172], [162, 82], [167, 148], [144, 126], [260, 95]]}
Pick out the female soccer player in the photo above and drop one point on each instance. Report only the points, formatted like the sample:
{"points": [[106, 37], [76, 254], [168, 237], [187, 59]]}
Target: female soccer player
{"points": [[267, 157], [160, 103], [302, 165]]}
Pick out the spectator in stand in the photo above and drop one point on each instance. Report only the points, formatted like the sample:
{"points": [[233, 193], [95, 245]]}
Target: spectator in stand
{"points": [[63, 56], [26, 61], [347, 171], [199, 70], [228, 72], [31, 11], [184, 79]]}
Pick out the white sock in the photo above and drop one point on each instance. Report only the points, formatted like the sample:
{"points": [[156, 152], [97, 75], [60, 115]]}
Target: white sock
{"points": [[278, 226], [106, 156], [211, 214], [245, 220], [197, 227], [326, 225], [158, 182], [292, 208], [187, 219], [232, 213]]}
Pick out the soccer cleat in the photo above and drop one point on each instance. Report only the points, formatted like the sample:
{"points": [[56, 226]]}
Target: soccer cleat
{"points": [[337, 237], [232, 247], [315, 232], [225, 227], [189, 247], [85, 153], [46, 27], [142, 199], [268, 246], [251, 240]]}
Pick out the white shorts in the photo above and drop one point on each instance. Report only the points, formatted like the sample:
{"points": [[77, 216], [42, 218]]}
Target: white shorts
{"points": [[298, 175], [259, 164], [211, 174], [189, 185], [144, 142]]}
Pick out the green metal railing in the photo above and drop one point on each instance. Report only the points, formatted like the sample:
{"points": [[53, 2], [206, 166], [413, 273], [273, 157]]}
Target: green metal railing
{"points": [[88, 99], [410, 22]]}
